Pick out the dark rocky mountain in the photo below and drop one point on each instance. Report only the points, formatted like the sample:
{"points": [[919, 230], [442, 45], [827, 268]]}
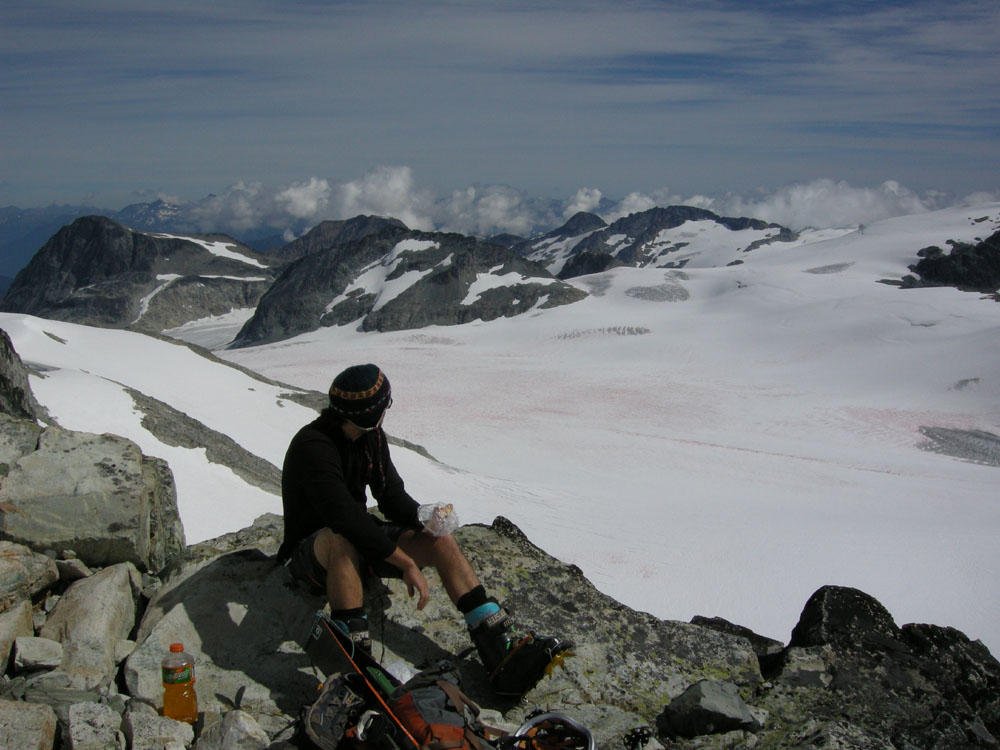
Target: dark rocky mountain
{"points": [[327, 234], [23, 231], [656, 237], [552, 248], [580, 223], [400, 279], [971, 267], [505, 240], [98, 272]]}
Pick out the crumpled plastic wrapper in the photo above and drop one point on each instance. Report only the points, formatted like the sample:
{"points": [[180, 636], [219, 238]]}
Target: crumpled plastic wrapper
{"points": [[438, 519]]}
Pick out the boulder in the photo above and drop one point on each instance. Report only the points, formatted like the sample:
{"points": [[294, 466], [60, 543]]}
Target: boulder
{"points": [[91, 620], [236, 731], [108, 502], [972, 267], [27, 727], [72, 570], [844, 617], [16, 398], [851, 677], [241, 619], [94, 726], [23, 573], [32, 654], [14, 623], [707, 707], [145, 731]]}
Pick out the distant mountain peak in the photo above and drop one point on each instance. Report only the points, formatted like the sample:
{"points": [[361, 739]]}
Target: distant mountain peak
{"points": [[580, 223], [333, 232], [99, 272]]}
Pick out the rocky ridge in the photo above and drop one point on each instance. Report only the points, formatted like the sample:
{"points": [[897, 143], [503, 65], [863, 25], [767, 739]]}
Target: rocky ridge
{"points": [[85, 620], [655, 237], [329, 233], [398, 279], [967, 266], [98, 272]]}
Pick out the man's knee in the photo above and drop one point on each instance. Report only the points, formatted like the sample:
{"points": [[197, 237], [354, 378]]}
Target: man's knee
{"points": [[427, 550], [331, 549], [445, 551]]}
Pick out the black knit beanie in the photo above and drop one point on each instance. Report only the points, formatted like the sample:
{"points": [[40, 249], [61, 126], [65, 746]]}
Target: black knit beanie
{"points": [[360, 394]]}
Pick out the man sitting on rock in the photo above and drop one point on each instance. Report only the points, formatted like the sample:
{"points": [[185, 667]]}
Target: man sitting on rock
{"points": [[331, 541]]}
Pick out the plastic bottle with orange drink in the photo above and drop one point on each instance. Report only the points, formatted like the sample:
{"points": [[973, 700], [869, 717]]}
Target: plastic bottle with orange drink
{"points": [[179, 699]]}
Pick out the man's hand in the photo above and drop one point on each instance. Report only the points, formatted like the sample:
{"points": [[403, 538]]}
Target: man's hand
{"points": [[415, 582], [412, 577]]}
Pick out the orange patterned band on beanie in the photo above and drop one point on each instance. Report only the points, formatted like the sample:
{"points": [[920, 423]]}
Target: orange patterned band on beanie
{"points": [[358, 395]]}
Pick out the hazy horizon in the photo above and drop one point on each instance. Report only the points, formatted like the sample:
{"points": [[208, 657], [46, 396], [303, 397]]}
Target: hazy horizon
{"points": [[463, 114]]}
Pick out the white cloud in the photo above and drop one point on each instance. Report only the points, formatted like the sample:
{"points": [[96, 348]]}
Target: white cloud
{"points": [[632, 203], [240, 207], [386, 191], [826, 203], [304, 200], [493, 209], [485, 211], [585, 199], [819, 203], [983, 196]]}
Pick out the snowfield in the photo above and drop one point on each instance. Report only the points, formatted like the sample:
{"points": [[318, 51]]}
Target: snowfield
{"points": [[707, 441]]}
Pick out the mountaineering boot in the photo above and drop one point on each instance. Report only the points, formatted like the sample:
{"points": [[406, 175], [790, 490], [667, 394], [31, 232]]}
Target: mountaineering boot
{"points": [[356, 629], [514, 664]]}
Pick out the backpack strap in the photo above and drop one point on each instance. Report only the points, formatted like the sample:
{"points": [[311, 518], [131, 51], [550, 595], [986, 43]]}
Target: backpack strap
{"points": [[463, 703]]}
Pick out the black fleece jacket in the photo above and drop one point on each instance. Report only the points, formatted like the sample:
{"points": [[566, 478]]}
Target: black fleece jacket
{"points": [[323, 483]]}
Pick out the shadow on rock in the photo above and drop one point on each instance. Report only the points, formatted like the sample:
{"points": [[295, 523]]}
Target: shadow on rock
{"points": [[242, 618]]}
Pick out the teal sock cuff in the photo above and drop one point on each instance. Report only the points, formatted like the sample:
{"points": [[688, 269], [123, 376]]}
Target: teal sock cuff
{"points": [[473, 617]]}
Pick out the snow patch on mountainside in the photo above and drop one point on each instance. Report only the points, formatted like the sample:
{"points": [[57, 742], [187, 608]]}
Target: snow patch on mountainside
{"points": [[492, 280], [215, 247]]}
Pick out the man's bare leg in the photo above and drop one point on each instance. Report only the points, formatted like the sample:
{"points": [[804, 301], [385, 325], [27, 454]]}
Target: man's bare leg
{"points": [[443, 554], [344, 587]]}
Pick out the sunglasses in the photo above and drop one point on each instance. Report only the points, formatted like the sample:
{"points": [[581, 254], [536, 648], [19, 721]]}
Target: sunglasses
{"points": [[377, 424]]}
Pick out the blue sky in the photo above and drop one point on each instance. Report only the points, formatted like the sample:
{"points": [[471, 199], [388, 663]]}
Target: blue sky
{"points": [[112, 101]]}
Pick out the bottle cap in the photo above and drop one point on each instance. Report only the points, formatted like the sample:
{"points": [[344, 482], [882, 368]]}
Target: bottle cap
{"points": [[175, 647]]}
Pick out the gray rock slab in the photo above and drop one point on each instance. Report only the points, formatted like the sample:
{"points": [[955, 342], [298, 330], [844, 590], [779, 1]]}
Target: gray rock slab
{"points": [[96, 504], [16, 397], [32, 654], [72, 570], [18, 438], [241, 620], [236, 731], [14, 623], [708, 707], [26, 726], [23, 572], [150, 732], [94, 726], [91, 620]]}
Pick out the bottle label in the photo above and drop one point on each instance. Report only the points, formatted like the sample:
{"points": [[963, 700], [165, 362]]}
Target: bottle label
{"points": [[178, 675]]}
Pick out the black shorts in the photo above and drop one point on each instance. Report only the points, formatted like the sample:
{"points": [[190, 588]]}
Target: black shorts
{"points": [[304, 566]]}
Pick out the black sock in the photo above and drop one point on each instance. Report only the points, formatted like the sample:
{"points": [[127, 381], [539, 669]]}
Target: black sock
{"points": [[475, 598], [350, 616]]}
